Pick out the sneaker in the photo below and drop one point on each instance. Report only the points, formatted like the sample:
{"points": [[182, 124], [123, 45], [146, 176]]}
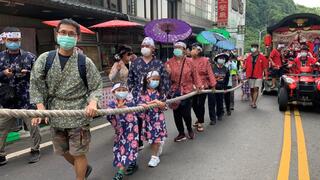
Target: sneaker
{"points": [[3, 160], [154, 161], [229, 113], [212, 123], [88, 172], [118, 176], [34, 156], [191, 135], [160, 149], [180, 137], [132, 169]]}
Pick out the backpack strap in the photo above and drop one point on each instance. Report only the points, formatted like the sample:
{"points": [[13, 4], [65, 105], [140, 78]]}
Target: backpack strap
{"points": [[82, 68], [81, 65], [49, 62]]}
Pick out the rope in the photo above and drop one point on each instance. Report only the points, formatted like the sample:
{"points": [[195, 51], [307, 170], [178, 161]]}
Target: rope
{"points": [[23, 113]]}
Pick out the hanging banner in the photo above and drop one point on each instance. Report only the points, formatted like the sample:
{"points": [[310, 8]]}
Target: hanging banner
{"points": [[223, 9]]}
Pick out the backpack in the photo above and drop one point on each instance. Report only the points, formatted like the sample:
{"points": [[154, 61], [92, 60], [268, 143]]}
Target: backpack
{"points": [[81, 65]]}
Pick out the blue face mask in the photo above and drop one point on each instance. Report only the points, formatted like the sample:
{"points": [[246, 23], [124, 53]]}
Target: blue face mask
{"points": [[121, 95], [13, 45], [154, 84], [66, 42], [178, 52]]}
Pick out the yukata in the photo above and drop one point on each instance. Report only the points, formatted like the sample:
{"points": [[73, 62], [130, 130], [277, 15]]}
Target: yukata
{"points": [[20, 83], [154, 128], [138, 71], [63, 89], [126, 139]]}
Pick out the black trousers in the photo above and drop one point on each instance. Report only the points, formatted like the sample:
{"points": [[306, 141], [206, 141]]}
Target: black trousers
{"points": [[198, 102], [227, 99], [183, 113], [215, 103]]}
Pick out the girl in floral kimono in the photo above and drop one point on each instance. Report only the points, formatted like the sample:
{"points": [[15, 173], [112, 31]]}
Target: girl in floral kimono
{"points": [[154, 129], [125, 147]]}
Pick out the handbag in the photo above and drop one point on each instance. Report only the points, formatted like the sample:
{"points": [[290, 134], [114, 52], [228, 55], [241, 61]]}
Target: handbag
{"points": [[177, 92]]}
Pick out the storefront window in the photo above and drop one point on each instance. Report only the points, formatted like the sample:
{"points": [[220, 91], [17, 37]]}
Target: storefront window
{"points": [[199, 8]]}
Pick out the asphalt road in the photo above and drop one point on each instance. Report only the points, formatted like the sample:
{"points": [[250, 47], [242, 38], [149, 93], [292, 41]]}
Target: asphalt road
{"points": [[244, 146]]}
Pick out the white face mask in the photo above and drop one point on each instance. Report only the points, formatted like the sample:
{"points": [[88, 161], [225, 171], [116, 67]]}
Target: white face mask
{"points": [[304, 54], [221, 61], [145, 51]]}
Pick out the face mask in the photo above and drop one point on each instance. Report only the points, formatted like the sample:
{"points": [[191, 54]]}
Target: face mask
{"points": [[221, 61], [253, 50], [66, 42], [303, 54], [178, 52], [121, 95], [13, 45], [146, 51], [154, 84]]}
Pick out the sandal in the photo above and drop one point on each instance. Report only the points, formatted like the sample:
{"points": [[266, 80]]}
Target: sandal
{"points": [[131, 169], [200, 128], [254, 106], [196, 124]]}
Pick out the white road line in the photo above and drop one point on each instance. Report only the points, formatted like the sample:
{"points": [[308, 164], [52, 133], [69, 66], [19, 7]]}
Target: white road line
{"points": [[49, 143]]}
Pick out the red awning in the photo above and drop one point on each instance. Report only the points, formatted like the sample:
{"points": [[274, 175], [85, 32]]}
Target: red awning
{"points": [[115, 24], [55, 23]]}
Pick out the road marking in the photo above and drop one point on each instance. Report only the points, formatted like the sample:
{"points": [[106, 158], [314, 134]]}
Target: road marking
{"points": [[284, 167], [49, 143], [303, 167]]}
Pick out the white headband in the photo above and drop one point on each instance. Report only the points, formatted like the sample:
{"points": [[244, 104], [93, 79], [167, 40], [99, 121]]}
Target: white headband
{"points": [[152, 74], [148, 41], [13, 35], [199, 48], [181, 44], [118, 85]]}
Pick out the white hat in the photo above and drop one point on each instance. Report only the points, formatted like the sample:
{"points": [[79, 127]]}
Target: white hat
{"points": [[14, 35], [118, 85], [148, 41], [182, 44], [152, 74]]}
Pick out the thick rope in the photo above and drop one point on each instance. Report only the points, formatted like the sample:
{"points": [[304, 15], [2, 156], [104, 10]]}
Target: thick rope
{"points": [[23, 113]]}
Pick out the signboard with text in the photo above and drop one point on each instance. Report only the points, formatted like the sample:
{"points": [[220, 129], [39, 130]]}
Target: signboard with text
{"points": [[222, 19]]}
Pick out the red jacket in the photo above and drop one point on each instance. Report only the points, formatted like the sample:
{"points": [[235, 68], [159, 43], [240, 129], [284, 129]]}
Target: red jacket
{"points": [[275, 56], [204, 69], [256, 72], [298, 63]]}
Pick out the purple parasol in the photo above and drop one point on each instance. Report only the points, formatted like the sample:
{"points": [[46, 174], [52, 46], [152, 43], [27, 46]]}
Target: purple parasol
{"points": [[168, 30]]}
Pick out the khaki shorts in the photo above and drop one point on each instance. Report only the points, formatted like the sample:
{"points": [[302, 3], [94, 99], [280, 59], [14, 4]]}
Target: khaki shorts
{"points": [[75, 141], [255, 83]]}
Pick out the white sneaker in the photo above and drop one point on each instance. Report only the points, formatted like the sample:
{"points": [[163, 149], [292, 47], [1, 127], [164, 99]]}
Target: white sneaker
{"points": [[160, 149], [154, 161]]}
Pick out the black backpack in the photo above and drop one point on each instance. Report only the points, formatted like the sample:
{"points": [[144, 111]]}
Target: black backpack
{"points": [[81, 65]]}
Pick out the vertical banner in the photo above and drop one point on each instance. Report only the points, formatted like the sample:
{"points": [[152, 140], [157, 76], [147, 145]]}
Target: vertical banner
{"points": [[223, 9]]}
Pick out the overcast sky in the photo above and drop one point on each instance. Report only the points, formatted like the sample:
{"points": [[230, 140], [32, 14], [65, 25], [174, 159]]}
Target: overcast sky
{"points": [[308, 3]]}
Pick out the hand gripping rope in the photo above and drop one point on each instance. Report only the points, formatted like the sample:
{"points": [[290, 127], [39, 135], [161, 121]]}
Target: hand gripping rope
{"points": [[23, 113]]}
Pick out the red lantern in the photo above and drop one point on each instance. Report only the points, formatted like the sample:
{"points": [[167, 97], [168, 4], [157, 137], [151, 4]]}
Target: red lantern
{"points": [[267, 40]]}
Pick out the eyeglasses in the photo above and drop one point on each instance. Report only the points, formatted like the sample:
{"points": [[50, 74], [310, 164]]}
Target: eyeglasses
{"points": [[66, 33]]}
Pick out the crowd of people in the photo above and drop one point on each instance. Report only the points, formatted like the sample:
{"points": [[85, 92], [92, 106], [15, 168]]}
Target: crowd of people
{"points": [[66, 79]]}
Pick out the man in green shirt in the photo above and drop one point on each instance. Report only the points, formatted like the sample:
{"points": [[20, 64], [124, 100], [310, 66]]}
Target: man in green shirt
{"points": [[61, 85]]}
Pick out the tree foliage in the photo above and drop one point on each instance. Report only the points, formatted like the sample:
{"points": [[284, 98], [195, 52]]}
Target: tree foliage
{"points": [[263, 13]]}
